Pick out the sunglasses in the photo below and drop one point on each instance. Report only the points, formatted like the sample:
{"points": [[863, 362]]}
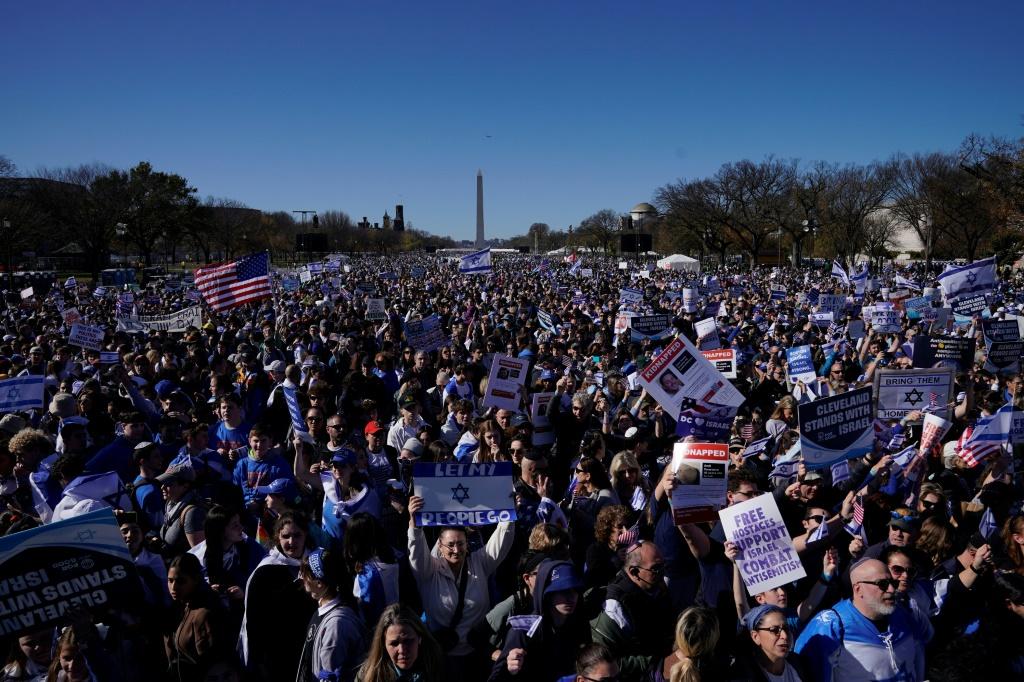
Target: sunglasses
{"points": [[817, 517], [776, 630], [898, 570], [884, 584]]}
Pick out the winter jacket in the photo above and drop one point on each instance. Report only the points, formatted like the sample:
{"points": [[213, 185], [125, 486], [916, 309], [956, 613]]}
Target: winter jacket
{"points": [[635, 625]]}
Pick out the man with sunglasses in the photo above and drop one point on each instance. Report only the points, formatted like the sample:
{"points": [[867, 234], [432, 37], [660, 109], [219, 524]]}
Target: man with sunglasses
{"points": [[869, 637], [636, 622]]}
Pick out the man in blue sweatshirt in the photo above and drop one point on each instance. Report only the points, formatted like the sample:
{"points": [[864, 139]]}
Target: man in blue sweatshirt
{"points": [[261, 465]]}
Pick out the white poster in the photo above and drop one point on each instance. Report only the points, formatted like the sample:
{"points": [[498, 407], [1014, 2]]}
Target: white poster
{"points": [[505, 384], [87, 337], [700, 471], [707, 334], [681, 374], [767, 558], [543, 433], [171, 322], [900, 392], [375, 309], [724, 360]]}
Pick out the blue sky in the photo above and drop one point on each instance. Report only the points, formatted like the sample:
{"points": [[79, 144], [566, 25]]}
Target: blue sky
{"points": [[568, 107]]}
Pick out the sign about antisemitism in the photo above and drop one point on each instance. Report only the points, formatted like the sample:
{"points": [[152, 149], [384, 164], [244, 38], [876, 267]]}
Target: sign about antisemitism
{"points": [[45, 572], [767, 558], [836, 428], [464, 494]]}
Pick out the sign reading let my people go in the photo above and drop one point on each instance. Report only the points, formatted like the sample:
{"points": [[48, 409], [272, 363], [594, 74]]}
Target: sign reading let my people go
{"points": [[464, 494]]}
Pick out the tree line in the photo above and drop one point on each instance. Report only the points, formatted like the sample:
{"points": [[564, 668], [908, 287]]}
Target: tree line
{"points": [[960, 204], [158, 217]]}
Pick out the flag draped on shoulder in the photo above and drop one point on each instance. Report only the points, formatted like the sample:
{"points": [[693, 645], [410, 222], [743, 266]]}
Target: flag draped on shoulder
{"points": [[230, 285], [478, 263], [839, 272], [968, 279], [987, 437]]}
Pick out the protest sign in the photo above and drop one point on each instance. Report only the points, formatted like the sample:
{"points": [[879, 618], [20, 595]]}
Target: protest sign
{"points": [[800, 365], [968, 306], [767, 558], [705, 422], [587, 272], [943, 351], [505, 383], [837, 427], [855, 329], [724, 360], [171, 322], [86, 336], [830, 303], [680, 372], [27, 293], [631, 296], [305, 276], [1003, 357], [418, 271], [777, 295], [621, 323], [375, 309], [650, 327], [691, 300], [80, 563], [1017, 427], [543, 432], [900, 392], [700, 471], [71, 316], [426, 334], [916, 306], [464, 494], [546, 321], [885, 321], [933, 428], [820, 319], [1001, 330], [707, 334], [623, 265]]}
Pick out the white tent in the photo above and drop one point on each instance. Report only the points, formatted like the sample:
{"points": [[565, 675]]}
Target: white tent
{"points": [[679, 262]]}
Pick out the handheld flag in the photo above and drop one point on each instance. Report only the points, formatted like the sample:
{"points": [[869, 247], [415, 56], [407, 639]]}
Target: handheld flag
{"points": [[987, 437], [22, 393], [839, 272], [230, 285], [478, 263]]}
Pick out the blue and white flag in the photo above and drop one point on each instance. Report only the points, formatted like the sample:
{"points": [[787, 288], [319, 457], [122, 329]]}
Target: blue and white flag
{"points": [[839, 272], [464, 494], [987, 437], [819, 533], [70, 282], [21, 393], [574, 268], [860, 280], [757, 447], [840, 472], [968, 279], [902, 281], [100, 292], [291, 399], [478, 263]]}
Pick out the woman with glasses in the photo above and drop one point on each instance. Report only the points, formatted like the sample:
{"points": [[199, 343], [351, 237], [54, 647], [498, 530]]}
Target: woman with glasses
{"points": [[592, 493], [453, 583], [767, 656], [909, 591], [628, 483]]}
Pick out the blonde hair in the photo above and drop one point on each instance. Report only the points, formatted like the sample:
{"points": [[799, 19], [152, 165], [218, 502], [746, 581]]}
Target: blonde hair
{"points": [[621, 461], [696, 638]]}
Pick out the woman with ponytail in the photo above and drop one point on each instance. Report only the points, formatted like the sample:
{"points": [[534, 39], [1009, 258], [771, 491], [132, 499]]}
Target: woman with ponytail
{"points": [[696, 639]]}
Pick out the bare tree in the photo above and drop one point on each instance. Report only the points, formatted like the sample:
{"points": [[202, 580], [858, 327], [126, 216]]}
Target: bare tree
{"points": [[909, 198], [698, 209], [858, 192], [601, 228], [752, 192], [538, 236], [880, 230], [998, 163], [7, 167]]}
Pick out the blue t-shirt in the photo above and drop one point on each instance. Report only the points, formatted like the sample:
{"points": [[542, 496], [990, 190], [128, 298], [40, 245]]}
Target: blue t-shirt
{"points": [[223, 436], [251, 473]]}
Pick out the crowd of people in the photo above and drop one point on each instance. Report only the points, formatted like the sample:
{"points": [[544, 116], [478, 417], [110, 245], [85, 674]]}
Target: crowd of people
{"points": [[265, 465]]}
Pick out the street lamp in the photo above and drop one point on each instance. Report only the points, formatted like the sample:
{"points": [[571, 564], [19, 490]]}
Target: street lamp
{"points": [[810, 229], [8, 239]]}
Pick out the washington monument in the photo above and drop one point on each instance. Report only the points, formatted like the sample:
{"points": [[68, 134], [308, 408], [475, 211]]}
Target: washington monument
{"points": [[479, 209]]}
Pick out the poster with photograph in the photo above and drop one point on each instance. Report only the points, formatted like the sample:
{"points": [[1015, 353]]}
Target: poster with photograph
{"points": [[505, 383], [680, 374], [700, 470]]}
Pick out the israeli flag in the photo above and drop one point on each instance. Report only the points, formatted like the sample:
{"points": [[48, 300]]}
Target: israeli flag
{"points": [[71, 283], [291, 399], [968, 279], [478, 263], [987, 526], [22, 393], [902, 281], [839, 272], [860, 279], [575, 266]]}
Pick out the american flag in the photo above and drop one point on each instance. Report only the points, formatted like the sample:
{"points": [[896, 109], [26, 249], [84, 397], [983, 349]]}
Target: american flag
{"points": [[695, 405], [987, 437], [229, 285], [933, 402], [855, 526]]}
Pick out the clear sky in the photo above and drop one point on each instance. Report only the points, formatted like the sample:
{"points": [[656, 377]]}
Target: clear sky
{"points": [[568, 107]]}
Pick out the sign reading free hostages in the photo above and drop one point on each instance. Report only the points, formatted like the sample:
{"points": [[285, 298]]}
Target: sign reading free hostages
{"points": [[836, 428], [464, 494], [47, 571]]}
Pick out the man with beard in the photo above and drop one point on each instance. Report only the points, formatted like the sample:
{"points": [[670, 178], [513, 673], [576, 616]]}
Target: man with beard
{"points": [[868, 637]]}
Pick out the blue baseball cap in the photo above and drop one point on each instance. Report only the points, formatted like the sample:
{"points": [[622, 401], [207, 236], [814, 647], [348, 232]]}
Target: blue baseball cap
{"points": [[279, 486], [345, 457], [548, 374], [563, 577], [164, 388]]}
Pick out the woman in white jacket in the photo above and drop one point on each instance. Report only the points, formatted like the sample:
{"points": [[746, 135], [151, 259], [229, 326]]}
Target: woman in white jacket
{"points": [[441, 578]]}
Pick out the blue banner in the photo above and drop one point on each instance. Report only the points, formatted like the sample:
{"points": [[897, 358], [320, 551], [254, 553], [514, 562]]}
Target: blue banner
{"points": [[836, 428]]}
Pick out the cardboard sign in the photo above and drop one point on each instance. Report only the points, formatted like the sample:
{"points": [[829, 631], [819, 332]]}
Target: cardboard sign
{"points": [[706, 423], [464, 494], [426, 334], [886, 321], [27, 293], [691, 300], [800, 365], [707, 334], [933, 428], [900, 392], [86, 336], [968, 306], [724, 360], [80, 563], [680, 374], [653, 327], [943, 351], [543, 432], [767, 558], [375, 309], [505, 383], [836, 428], [700, 470]]}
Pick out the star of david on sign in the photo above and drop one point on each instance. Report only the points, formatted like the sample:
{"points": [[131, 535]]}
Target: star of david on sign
{"points": [[972, 277], [912, 396], [13, 394], [460, 493]]}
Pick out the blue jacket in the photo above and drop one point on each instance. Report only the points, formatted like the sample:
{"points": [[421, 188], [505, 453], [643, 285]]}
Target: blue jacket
{"points": [[251, 473], [115, 457]]}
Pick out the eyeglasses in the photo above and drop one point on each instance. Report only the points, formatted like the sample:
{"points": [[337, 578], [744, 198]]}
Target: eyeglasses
{"points": [[454, 545], [816, 517], [910, 518], [776, 630], [518, 450], [929, 504], [314, 419], [898, 570], [748, 493], [655, 569], [884, 584], [613, 678], [338, 426]]}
